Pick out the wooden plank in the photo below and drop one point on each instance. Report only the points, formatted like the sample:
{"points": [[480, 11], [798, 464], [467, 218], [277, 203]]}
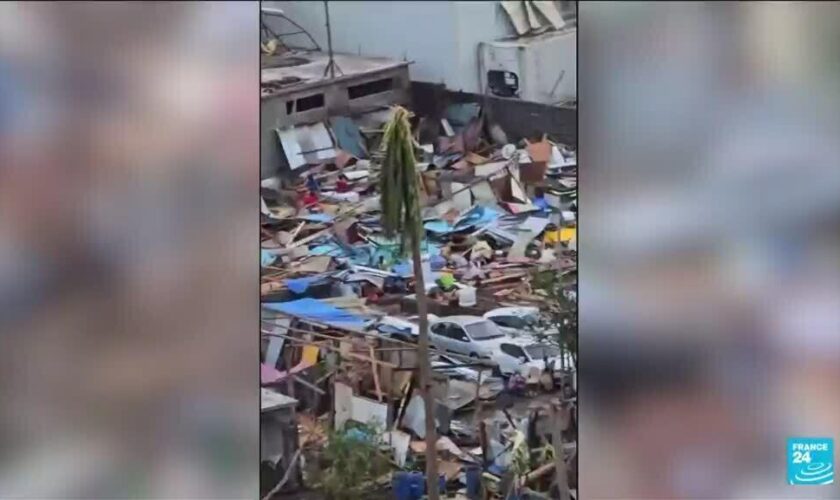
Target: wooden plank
{"points": [[308, 385], [331, 348], [375, 374]]}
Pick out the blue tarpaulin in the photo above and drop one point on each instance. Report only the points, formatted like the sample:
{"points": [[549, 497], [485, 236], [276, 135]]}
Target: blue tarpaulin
{"points": [[403, 270], [266, 257], [438, 226], [300, 285], [316, 310], [476, 216], [348, 136], [542, 204], [327, 249], [393, 329], [317, 217]]}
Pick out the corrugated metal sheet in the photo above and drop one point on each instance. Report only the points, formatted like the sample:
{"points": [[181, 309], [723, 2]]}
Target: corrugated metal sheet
{"points": [[306, 145]]}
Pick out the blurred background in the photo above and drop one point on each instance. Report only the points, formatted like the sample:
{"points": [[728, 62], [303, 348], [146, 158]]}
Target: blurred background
{"points": [[709, 249], [709, 254], [128, 251]]}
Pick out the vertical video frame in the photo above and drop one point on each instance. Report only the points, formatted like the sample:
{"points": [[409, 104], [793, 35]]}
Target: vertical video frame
{"points": [[418, 250]]}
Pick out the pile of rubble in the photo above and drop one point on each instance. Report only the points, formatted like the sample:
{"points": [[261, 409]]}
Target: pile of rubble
{"points": [[338, 298]]}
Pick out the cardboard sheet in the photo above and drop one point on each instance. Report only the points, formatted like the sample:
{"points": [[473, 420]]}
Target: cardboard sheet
{"points": [[521, 208], [517, 192], [489, 169], [270, 400], [355, 175], [483, 193], [559, 161], [533, 20], [459, 393], [553, 200], [532, 173], [449, 469], [444, 207], [516, 13], [540, 151], [414, 418], [517, 251], [377, 281], [534, 224], [475, 159], [549, 10], [399, 442], [367, 411], [444, 444], [462, 198], [316, 264], [275, 344], [343, 397]]}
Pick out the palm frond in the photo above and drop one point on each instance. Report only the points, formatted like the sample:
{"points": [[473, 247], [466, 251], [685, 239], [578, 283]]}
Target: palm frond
{"points": [[398, 182]]}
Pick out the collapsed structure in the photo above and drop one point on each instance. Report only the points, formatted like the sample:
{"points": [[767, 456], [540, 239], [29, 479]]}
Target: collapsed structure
{"points": [[338, 357]]}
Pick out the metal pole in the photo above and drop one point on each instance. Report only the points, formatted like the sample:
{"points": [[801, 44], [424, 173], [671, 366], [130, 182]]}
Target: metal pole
{"points": [[331, 63]]}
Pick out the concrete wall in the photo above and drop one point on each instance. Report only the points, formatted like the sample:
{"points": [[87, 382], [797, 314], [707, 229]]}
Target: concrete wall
{"points": [[519, 119], [440, 37]]}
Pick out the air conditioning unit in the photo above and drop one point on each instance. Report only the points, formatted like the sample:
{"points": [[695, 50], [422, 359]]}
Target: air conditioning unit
{"points": [[540, 68]]}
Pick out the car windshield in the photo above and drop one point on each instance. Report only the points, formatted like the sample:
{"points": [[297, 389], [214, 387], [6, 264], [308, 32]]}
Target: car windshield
{"points": [[532, 319], [537, 351], [518, 322], [483, 330]]}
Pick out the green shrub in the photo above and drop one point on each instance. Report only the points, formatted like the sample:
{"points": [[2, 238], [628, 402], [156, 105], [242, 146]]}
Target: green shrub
{"points": [[352, 461]]}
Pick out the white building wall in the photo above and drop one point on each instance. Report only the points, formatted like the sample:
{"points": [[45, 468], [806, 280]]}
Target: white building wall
{"points": [[440, 37], [476, 22]]}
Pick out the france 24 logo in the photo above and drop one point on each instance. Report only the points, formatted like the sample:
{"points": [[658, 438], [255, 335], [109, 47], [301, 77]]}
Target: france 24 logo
{"points": [[810, 460]]}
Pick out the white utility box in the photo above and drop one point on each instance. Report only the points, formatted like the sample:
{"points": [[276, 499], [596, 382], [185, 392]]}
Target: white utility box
{"points": [[541, 68]]}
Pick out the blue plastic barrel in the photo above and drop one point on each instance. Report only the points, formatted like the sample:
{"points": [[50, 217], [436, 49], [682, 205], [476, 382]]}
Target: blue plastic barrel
{"points": [[473, 473], [411, 485], [407, 487]]}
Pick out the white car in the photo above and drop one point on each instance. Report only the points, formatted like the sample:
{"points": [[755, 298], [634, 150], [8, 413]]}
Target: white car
{"points": [[521, 355], [515, 320], [472, 336], [405, 329]]}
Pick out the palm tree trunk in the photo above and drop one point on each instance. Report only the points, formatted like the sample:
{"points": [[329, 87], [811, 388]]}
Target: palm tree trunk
{"points": [[432, 484], [560, 468]]}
